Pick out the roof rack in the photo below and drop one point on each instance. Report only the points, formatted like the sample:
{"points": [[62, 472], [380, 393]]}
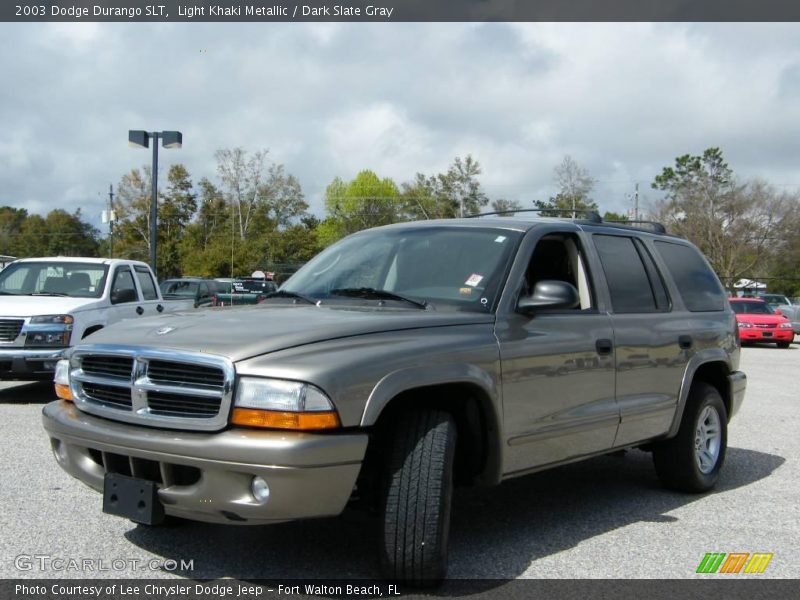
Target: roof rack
{"points": [[653, 225], [590, 214]]}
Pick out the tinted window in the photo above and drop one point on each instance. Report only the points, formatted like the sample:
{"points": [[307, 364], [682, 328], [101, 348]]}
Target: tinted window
{"points": [[653, 274], [697, 283], [627, 278], [751, 308], [146, 283], [123, 280]]}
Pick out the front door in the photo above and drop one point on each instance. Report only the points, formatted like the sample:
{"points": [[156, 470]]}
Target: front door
{"points": [[557, 365]]}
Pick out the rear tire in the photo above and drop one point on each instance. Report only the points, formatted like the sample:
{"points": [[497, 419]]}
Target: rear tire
{"points": [[691, 461], [783, 345], [416, 504]]}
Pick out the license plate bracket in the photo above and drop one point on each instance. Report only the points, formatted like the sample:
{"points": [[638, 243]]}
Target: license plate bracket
{"points": [[132, 498]]}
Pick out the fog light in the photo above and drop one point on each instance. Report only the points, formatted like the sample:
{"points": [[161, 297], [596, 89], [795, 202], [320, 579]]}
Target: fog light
{"points": [[260, 489]]}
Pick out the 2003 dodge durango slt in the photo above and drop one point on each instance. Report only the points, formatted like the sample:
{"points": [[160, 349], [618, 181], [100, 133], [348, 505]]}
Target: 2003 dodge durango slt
{"points": [[401, 361]]}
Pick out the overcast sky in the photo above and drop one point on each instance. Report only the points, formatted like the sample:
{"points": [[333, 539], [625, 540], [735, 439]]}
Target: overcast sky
{"points": [[331, 99]]}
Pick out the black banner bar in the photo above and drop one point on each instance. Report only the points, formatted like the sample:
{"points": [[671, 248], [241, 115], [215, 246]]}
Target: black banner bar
{"points": [[706, 588], [400, 10]]}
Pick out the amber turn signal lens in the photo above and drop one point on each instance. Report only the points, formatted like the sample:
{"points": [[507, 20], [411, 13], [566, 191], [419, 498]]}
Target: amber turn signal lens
{"points": [[63, 392], [273, 419]]}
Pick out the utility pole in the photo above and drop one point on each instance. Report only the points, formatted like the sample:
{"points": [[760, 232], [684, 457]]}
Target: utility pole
{"points": [[111, 217], [636, 203]]}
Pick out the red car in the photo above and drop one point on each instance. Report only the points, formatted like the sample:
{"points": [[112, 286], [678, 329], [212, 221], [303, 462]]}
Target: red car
{"points": [[758, 323]]}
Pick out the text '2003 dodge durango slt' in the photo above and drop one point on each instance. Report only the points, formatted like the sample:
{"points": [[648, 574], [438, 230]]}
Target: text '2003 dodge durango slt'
{"points": [[400, 362]]}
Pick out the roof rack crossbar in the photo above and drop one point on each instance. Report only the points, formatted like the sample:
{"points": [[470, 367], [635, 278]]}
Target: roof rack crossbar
{"points": [[590, 215]]}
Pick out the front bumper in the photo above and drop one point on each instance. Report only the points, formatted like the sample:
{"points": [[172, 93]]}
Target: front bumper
{"points": [[756, 334], [18, 363], [207, 476]]}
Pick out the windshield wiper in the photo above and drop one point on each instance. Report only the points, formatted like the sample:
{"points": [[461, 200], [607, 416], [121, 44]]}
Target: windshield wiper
{"points": [[9, 294], [48, 294], [288, 294], [373, 294]]}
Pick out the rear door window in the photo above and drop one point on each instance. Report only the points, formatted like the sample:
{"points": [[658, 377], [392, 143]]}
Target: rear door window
{"points": [[628, 282], [697, 284], [146, 283]]}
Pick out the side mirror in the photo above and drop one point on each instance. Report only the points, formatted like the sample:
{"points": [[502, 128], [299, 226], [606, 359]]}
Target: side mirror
{"points": [[549, 293], [122, 296]]}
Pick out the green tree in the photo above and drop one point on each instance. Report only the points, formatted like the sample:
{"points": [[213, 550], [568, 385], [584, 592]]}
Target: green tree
{"points": [[444, 195], [507, 207], [176, 208], [11, 220], [366, 201]]}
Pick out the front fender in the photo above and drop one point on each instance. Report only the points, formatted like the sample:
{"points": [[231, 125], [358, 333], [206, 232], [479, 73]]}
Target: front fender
{"points": [[423, 376]]}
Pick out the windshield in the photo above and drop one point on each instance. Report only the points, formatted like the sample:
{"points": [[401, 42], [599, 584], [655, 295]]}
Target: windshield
{"points": [[751, 308], [179, 288], [76, 280], [774, 299], [461, 268]]}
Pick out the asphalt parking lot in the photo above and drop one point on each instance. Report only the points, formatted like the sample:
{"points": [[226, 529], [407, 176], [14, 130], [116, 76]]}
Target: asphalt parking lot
{"points": [[604, 518]]}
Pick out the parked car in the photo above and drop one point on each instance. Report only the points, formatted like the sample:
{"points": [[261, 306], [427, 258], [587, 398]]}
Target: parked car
{"points": [[50, 304], [781, 304], [402, 361], [759, 323], [247, 290], [201, 291]]}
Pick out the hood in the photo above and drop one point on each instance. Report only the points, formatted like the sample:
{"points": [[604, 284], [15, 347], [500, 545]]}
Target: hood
{"points": [[29, 306], [761, 319], [241, 333]]}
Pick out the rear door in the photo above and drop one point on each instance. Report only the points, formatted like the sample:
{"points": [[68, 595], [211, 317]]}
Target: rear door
{"points": [[151, 304], [652, 341]]}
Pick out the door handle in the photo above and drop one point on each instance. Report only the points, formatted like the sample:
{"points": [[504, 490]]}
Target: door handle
{"points": [[685, 342], [159, 308], [604, 346], [139, 310]]}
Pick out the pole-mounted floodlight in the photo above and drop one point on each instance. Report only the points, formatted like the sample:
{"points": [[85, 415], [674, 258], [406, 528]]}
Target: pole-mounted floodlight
{"points": [[141, 139]]}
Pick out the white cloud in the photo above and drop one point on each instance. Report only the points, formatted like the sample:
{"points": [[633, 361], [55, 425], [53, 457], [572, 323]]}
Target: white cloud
{"points": [[331, 99]]}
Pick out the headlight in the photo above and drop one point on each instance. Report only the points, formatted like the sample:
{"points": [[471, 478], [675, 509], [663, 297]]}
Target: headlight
{"points": [[785, 325], [61, 380], [281, 404], [52, 320], [745, 325], [49, 331]]}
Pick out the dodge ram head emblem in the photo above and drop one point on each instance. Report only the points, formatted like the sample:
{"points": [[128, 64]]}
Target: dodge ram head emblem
{"points": [[164, 330]]}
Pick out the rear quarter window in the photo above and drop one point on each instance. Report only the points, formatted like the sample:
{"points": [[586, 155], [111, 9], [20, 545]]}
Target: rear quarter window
{"points": [[697, 284]]}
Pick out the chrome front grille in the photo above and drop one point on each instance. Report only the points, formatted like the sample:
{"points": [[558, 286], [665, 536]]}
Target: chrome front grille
{"points": [[162, 371], [10, 329], [111, 395], [178, 390], [109, 366]]}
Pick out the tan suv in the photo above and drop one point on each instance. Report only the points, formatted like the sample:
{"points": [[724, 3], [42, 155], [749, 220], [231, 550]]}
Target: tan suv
{"points": [[404, 360]]}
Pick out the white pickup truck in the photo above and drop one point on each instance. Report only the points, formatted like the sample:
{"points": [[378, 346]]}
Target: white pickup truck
{"points": [[50, 304]]}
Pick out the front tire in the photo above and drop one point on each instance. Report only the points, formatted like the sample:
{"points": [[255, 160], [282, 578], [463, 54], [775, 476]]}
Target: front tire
{"points": [[416, 504], [691, 461]]}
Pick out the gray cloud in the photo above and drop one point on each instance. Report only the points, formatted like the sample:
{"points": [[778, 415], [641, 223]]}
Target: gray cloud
{"points": [[330, 99]]}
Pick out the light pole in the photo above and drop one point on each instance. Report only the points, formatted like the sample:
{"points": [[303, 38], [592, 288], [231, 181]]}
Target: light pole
{"points": [[141, 139]]}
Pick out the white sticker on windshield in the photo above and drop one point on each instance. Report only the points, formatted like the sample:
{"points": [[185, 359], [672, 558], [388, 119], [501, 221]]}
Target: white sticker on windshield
{"points": [[473, 280], [500, 239]]}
